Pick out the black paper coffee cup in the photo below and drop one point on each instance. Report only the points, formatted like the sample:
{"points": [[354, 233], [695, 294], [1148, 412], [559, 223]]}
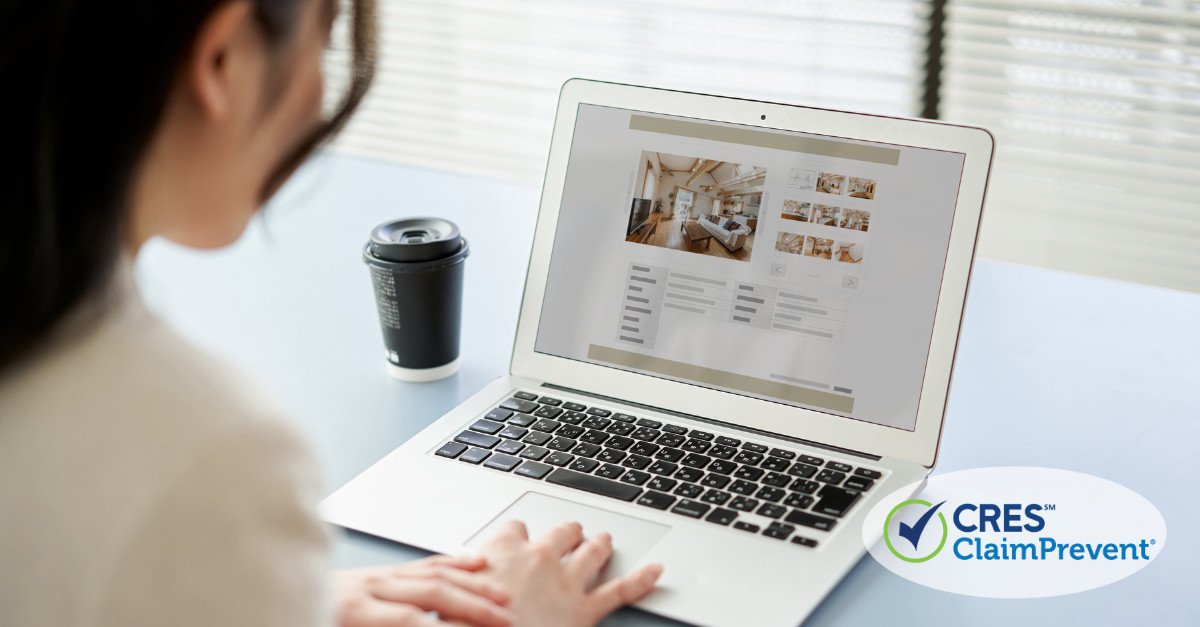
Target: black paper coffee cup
{"points": [[417, 269]]}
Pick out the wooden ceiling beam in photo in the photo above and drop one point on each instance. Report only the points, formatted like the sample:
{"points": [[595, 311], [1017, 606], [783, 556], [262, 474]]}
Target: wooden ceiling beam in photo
{"points": [[745, 180], [702, 169]]}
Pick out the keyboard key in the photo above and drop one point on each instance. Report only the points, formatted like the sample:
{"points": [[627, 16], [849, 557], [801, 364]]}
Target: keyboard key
{"points": [[611, 455], [797, 500], [572, 417], [473, 455], [674, 429], [778, 531], [519, 405], [525, 396], [593, 484], [509, 447], [570, 431], [690, 508], [498, 414], [477, 439], [624, 418], [781, 453], [572, 406], [721, 516], [635, 477], [657, 500], [802, 541], [669, 454], [512, 433], [548, 412], [636, 461], [716, 497], [809, 459], [805, 519], [831, 477], [858, 483], [547, 425], [521, 420], [534, 470], [749, 473], [696, 446], [546, 400], [745, 526], [451, 449], [743, 503], [594, 437], [771, 510], [767, 493], [776, 480], [662, 484], [702, 435], [534, 452], [712, 480], [748, 457], [559, 459], [801, 469], [742, 486], [689, 490], [727, 441], [835, 501], [620, 428], [595, 423], [583, 464], [868, 473], [690, 474], [722, 451], [500, 461], [670, 439], [645, 448], [721, 466], [610, 471], [661, 467], [619, 442], [839, 466], [645, 433], [776, 463], [754, 448], [587, 449], [560, 443], [537, 437], [696, 460], [804, 485], [646, 422], [596, 411]]}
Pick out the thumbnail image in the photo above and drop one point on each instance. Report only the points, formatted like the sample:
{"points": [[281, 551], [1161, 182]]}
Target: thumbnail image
{"points": [[849, 252], [818, 247], [792, 243], [824, 215], [829, 183], [801, 179], [796, 210], [684, 203], [861, 188], [854, 219]]}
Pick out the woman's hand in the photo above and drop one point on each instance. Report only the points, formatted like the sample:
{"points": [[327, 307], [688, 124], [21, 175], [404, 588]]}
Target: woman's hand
{"points": [[551, 579], [403, 596]]}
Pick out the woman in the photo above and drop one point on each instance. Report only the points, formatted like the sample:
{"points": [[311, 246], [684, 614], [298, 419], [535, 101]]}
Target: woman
{"points": [[140, 484]]}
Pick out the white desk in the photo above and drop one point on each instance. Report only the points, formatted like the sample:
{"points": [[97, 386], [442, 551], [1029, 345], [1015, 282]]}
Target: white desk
{"points": [[1054, 370]]}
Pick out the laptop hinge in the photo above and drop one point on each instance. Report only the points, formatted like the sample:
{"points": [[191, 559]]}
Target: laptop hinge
{"points": [[827, 447]]}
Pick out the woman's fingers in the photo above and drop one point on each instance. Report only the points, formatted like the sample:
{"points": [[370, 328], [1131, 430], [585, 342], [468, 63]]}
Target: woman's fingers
{"points": [[448, 600], [510, 532], [562, 539], [623, 590], [589, 558], [483, 585], [393, 615], [470, 563]]}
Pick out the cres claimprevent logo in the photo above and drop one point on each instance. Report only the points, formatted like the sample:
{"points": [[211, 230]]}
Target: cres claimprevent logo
{"points": [[910, 534]]}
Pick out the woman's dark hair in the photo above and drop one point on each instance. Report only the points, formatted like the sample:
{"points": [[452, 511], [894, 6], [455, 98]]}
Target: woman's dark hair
{"points": [[83, 84]]}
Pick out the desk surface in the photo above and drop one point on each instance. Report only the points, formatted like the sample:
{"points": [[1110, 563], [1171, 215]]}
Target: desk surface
{"points": [[1054, 370]]}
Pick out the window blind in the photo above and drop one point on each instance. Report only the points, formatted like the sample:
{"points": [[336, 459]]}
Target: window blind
{"points": [[471, 85], [1095, 105]]}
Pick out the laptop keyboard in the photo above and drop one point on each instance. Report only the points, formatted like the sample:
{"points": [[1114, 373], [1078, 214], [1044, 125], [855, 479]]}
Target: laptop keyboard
{"points": [[745, 486]]}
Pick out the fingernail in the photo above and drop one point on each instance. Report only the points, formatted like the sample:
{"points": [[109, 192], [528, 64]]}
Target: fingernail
{"points": [[652, 572]]}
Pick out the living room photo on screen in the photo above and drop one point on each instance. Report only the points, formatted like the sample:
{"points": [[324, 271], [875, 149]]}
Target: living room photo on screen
{"points": [[696, 205]]}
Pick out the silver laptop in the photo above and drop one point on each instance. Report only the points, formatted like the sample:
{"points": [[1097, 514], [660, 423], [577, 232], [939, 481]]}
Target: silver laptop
{"points": [[737, 334]]}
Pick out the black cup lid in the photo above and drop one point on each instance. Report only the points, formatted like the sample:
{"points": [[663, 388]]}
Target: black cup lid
{"points": [[415, 239]]}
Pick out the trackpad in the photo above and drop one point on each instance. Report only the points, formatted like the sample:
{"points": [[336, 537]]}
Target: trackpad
{"points": [[632, 537]]}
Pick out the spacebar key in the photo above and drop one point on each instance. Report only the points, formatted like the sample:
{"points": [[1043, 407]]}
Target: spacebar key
{"points": [[595, 485]]}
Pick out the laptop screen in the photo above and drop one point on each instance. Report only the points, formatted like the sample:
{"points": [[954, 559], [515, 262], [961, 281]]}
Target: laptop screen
{"points": [[795, 268]]}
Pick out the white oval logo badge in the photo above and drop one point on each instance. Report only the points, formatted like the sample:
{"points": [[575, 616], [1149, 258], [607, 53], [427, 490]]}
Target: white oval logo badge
{"points": [[1014, 532]]}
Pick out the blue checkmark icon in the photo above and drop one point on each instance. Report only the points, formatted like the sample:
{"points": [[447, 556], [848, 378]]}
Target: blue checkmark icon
{"points": [[912, 533]]}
